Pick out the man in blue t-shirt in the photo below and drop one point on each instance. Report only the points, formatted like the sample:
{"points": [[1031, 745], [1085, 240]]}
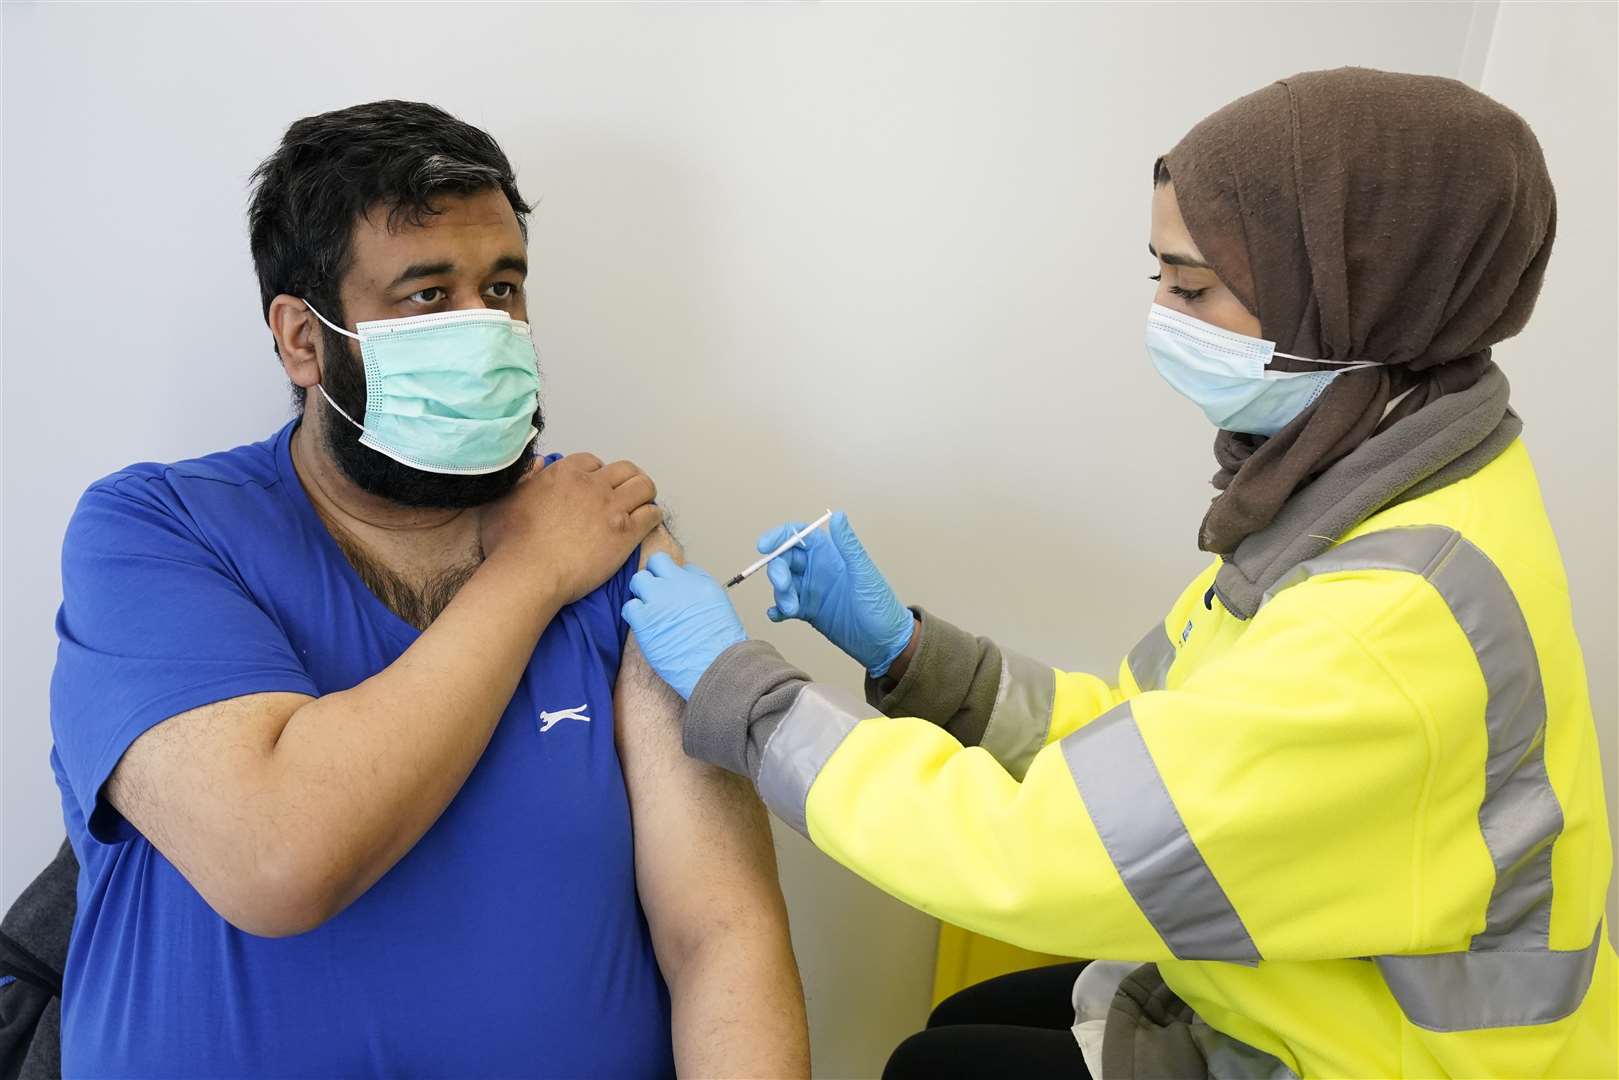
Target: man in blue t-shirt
{"points": [[363, 772]]}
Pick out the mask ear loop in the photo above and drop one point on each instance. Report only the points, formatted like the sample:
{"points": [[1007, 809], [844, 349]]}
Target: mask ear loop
{"points": [[321, 385], [1313, 360], [328, 322], [1342, 365]]}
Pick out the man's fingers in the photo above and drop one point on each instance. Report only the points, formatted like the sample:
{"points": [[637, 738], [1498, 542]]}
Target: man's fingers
{"points": [[644, 520], [634, 492], [620, 471], [632, 611], [585, 462]]}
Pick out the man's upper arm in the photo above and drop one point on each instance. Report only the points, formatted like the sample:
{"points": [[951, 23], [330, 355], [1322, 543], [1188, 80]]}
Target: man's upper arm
{"points": [[155, 629], [703, 850], [193, 785]]}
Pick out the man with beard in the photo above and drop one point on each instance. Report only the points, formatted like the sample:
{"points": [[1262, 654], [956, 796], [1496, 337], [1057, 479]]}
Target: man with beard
{"points": [[349, 730]]}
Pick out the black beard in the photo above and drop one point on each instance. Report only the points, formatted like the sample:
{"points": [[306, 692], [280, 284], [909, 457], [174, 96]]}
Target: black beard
{"points": [[380, 475]]}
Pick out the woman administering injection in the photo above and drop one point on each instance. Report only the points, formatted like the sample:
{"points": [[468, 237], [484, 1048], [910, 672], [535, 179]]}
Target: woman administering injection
{"points": [[1346, 796]]}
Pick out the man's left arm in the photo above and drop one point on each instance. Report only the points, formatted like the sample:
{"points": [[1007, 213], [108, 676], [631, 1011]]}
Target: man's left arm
{"points": [[706, 870]]}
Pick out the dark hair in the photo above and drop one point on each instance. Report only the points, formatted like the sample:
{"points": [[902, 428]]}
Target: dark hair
{"points": [[1160, 173], [332, 168]]}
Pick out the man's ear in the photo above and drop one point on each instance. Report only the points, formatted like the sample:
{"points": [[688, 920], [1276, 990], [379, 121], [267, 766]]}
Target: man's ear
{"points": [[297, 337]]}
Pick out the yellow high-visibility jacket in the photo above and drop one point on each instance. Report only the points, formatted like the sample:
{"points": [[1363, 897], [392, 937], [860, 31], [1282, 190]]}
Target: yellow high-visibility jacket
{"points": [[1363, 831]]}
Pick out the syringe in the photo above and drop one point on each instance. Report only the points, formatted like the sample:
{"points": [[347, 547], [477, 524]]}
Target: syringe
{"points": [[792, 542]]}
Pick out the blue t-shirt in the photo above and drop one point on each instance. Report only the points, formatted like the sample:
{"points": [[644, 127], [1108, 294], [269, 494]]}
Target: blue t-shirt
{"points": [[509, 942]]}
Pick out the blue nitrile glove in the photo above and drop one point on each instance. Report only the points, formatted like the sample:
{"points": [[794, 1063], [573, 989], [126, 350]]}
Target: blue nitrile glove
{"points": [[832, 584], [682, 619]]}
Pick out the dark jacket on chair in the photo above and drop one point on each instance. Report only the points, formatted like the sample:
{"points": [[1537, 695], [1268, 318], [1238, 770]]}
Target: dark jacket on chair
{"points": [[33, 952]]}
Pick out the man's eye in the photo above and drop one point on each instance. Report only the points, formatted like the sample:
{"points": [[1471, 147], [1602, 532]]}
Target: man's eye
{"points": [[503, 290], [430, 295]]}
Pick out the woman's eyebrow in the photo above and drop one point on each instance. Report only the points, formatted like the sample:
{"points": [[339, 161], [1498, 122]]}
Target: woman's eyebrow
{"points": [[1171, 259]]}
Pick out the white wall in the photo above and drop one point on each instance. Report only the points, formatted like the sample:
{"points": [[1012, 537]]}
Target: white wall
{"points": [[1554, 64], [888, 258]]}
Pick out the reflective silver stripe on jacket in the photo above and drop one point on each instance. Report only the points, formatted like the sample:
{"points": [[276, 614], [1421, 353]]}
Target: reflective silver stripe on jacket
{"points": [[820, 718], [1509, 975], [1465, 991], [1021, 719], [1150, 660], [1127, 801]]}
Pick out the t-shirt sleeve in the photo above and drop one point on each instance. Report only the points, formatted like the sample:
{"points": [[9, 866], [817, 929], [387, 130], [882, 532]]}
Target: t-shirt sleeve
{"points": [[618, 594], [154, 622], [607, 601]]}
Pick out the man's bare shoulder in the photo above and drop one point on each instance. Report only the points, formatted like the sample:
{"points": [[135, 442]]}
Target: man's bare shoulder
{"points": [[662, 540]]}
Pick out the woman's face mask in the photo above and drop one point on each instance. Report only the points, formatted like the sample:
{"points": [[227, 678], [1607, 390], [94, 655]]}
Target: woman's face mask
{"points": [[1228, 375]]}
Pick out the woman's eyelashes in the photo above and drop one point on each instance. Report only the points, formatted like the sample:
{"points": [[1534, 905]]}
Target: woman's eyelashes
{"points": [[1189, 295]]}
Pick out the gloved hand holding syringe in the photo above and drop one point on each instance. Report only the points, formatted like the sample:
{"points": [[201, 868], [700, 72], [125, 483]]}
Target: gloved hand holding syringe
{"points": [[684, 621], [827, 580], [791, 542]]}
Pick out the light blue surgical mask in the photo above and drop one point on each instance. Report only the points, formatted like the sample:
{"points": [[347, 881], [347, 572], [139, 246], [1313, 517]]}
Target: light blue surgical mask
{"points": [[448, 392], [1225, 374]]}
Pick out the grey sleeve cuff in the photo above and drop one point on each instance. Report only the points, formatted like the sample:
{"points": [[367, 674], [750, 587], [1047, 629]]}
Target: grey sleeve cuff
{"points": [[737, 704], [953, 680]]}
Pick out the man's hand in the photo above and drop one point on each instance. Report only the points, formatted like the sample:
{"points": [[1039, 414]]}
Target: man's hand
{"points": [[572, 523], [281, 809]]}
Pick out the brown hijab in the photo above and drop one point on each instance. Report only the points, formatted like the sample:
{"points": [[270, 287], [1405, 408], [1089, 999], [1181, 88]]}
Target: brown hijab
{"points": [[1362, 215]]}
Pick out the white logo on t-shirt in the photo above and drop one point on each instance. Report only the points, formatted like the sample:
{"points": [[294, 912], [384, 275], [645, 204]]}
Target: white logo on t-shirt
{"points": [[549, 720]]}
